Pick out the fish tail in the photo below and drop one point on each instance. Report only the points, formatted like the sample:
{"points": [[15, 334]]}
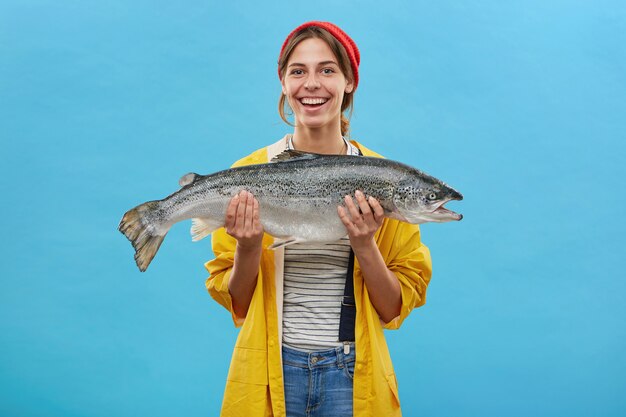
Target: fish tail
{"points": [[145, 236]]}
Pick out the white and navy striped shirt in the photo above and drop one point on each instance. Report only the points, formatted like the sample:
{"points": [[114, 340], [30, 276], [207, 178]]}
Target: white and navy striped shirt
{"points": [[314, 281]]}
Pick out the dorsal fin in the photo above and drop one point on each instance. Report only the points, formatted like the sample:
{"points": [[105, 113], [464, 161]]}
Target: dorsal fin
{"points": [[293, 154], [187, 179]]}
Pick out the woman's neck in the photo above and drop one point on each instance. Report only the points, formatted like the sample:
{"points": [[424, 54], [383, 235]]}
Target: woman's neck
{"points": [[322, 140]]}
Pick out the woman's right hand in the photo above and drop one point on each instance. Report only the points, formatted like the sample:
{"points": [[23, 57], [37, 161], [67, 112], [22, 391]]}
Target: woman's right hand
{"points": [[242, 221]]}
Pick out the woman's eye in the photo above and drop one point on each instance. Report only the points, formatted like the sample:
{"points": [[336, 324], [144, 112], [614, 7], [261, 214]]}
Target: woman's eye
{"points": [[296, 72], [328, 71]]}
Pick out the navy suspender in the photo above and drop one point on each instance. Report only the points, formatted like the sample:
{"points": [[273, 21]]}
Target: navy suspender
{"points": [[348, 305]]}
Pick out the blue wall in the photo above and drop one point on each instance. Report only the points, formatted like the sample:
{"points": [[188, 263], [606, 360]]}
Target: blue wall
{"points": [[520, 105]]}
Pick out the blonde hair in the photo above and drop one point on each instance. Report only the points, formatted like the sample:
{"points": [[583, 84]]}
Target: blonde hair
{"points": [[343, 61]]}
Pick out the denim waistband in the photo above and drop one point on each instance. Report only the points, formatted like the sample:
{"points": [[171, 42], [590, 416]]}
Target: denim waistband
{"points": [[320, 359]]}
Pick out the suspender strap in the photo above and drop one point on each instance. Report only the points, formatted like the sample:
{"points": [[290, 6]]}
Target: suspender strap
{"points": [[348, 306]]}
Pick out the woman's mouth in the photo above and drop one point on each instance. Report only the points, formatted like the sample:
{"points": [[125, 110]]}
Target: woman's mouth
{"points": [[313, 102]]}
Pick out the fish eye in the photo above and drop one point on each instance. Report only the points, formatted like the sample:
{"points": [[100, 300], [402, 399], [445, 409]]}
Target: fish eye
{"points": [[432, 196]]}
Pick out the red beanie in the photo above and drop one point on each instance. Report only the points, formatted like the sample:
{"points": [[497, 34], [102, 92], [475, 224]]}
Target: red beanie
{"points": [[341, 36]]}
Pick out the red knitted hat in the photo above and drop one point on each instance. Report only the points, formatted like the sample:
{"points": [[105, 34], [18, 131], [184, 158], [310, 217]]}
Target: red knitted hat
{"points": [[341, 36]]}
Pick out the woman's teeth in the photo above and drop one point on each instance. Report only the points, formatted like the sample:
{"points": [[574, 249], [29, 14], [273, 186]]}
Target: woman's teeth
{"points": [[313, 100]]}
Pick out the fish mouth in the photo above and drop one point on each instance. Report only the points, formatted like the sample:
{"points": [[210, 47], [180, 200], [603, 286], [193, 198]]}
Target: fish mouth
{"points": [[438, 214], [444, 213]]}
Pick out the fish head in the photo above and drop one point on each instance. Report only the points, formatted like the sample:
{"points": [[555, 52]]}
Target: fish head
{"points": [[420, 198]]}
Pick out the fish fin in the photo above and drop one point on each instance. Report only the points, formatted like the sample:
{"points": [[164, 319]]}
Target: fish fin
{"points": [[290, 154], [202, 227], [281, 243], [188, 179], [145, 237]]}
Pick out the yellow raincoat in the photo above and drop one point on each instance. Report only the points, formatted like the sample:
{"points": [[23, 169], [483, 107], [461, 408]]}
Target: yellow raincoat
{"points": [[254, 386]]}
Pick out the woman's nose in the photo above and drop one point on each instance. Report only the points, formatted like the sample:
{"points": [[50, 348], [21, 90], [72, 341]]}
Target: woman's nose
{"points": [[311, 82]]}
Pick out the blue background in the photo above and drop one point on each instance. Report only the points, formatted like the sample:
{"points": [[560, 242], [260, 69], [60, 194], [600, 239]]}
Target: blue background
{"points": [[520, 105]]}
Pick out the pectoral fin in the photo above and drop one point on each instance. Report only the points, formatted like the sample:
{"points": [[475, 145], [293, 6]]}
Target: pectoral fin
{"points": [[281, 243], [202, 227]]}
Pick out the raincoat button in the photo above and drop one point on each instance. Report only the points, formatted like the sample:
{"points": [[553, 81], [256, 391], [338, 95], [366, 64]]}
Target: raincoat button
{"points": [[271, 343], [359, 367]]}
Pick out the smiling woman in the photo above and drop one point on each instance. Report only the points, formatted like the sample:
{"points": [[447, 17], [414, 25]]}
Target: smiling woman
{"points": [[311, 315], [318, 73], [315, 88]]}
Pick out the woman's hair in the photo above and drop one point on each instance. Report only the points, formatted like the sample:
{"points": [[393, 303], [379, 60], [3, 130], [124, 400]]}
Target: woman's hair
{"points": [[344, 65]]}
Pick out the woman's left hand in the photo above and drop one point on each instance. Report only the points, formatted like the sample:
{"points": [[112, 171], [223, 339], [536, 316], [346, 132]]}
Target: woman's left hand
{"points": [[364, 219], [363, 224]]}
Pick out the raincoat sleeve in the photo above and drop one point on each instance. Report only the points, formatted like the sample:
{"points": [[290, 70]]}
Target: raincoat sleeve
{"points": [[220, 269], [224, 247], [409, 259]]}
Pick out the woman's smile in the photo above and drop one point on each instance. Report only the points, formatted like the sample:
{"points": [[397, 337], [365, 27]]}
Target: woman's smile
{"points": [[313, 104]]}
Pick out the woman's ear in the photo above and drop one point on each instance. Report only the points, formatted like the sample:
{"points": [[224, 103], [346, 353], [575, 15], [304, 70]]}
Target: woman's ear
{"points": [[349, 87], [282, 84]]}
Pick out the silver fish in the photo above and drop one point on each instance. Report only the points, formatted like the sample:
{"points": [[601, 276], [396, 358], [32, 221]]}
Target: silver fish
{"points": [[298, 195]]}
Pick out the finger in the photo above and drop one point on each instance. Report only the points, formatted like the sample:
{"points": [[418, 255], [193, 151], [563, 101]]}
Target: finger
{"points": [[345, 219], [241, 211], [354, 212], [256, 217], [231, 212], [379, 212], [248, 218], [363, 205]]}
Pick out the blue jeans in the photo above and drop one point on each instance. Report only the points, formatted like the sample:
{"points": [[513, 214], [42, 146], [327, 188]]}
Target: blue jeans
{"points": [[318, 384]]}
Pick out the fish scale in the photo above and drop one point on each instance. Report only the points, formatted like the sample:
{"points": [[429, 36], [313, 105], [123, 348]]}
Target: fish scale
{"points": [[298, 195]]}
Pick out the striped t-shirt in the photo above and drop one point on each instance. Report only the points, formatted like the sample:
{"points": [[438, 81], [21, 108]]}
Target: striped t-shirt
{"points": [[314, 281]]}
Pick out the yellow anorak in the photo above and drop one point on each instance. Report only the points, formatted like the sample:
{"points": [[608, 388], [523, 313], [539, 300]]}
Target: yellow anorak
{"points": [[254, 386]]}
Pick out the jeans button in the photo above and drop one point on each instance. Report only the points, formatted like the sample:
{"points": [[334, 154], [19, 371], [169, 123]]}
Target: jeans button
{"points": [[314, 360]]}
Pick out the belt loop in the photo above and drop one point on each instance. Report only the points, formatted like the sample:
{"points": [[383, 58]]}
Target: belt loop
{"points": [[339, 357]]}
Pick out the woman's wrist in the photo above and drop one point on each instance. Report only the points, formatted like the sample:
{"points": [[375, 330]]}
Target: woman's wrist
{"points": [[381, 283], [249, 248], [365, 249]]}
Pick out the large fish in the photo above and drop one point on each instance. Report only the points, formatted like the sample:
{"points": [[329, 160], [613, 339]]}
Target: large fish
{"points": [[298, 195]]}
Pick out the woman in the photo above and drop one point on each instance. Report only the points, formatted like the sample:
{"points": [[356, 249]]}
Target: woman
{"points": [[288, 358]]}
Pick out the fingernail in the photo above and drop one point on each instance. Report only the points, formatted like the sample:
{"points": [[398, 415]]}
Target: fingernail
{"points": [[358, 193]]}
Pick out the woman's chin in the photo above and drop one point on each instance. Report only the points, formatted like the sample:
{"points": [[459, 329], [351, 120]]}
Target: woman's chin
{"points": [[318, 122]]}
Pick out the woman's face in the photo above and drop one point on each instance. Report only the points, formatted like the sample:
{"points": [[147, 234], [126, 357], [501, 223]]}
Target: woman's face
{"points": [[314, 84]]}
